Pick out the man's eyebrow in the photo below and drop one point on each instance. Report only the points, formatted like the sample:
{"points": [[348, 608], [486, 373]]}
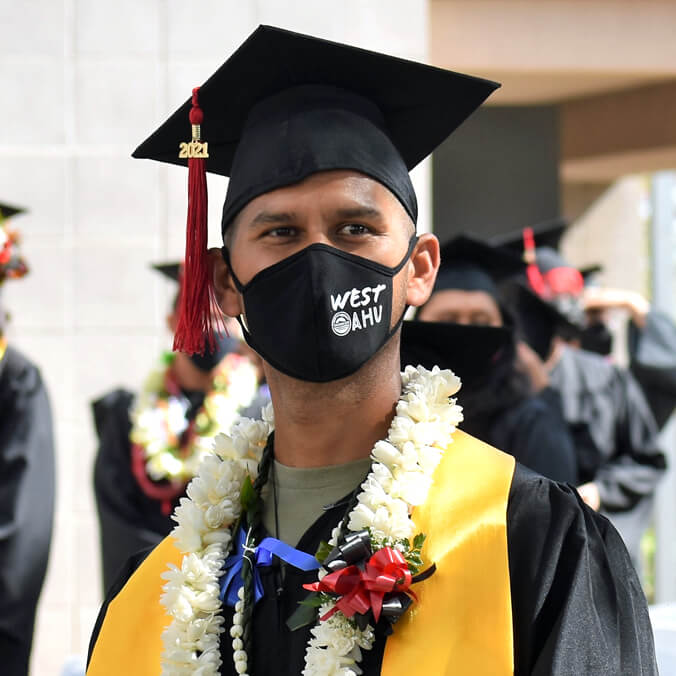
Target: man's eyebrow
{"points": [[358, 212], [272, 217]]}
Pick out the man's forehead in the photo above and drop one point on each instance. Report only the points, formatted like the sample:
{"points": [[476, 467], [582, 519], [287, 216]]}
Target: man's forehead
{"points": [[347, 192]]}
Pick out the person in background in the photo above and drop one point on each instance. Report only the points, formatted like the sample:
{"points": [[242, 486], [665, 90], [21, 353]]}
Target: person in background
{"points": [[512, 407], [651, 334], [26, 478], [151, 444], [615, 433], [651, 341]]}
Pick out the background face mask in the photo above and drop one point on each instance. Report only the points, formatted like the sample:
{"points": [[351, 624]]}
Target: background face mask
{"points": [[320, 314]]}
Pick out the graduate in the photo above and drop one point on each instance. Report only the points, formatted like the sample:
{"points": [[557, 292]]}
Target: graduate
{"points": [[439, 554], [651, 341], [615, 433], [513, 408], [26, 477], [151, 445], [651, 334]]}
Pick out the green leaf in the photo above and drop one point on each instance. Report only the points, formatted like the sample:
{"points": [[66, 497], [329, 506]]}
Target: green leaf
{"points": [[323, 551], [313, 599], [419, 540], [305, 614], [248, 497]]}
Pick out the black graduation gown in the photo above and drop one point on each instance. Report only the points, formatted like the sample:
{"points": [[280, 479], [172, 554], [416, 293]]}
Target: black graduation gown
{"points": [[129, 520], [26, 505], [534, 432], [577, 604], [652, 352], [615, 438]]}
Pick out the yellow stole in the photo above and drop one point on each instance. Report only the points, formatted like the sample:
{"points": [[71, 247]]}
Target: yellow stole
{"points": [[462, 623]]}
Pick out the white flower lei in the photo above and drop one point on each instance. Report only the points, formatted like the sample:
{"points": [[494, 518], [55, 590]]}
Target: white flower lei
{"points": [[159, 418], [400, 478]]}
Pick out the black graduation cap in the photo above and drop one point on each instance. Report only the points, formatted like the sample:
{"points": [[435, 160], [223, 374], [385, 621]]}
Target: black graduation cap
{"points": [[589, 271], [285, 106], [416, 105], [537, 320], [469, 350], [469, 264], [169, 270], [547, 234], [7, 211]]}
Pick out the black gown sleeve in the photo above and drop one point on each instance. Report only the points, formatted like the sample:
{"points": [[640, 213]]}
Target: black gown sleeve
{"points": [[129, 521], [577, 603], [535, 433], [637, 464], [26, 505], [652, 352]]}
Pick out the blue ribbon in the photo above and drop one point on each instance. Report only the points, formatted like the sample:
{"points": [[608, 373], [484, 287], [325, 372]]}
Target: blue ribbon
{"points": [[263, 553]]}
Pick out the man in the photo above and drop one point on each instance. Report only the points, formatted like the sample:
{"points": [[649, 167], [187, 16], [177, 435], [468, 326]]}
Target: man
{"points": [[510, 409], [651, 334], [652, 343], [26, 479], [322, 261], [615, 433], [151, 445]]}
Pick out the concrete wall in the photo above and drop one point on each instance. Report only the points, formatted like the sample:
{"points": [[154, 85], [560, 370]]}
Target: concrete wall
{"points": [[84, 81]]}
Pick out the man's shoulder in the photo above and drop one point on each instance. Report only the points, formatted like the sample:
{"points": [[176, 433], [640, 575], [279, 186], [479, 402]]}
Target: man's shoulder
{"points": [[18, 372], [114, 404]]}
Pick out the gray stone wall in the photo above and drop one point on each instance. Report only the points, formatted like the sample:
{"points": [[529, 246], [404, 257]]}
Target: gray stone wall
{"points": [[83, 82]]}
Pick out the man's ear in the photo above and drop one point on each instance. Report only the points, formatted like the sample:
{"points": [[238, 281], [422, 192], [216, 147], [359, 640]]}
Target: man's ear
{"points": [[172, 321], [229, 299], [423, 268]]}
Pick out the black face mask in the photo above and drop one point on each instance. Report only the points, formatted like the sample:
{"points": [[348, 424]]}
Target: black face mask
{"points": [[320, 314], [597, 338]]}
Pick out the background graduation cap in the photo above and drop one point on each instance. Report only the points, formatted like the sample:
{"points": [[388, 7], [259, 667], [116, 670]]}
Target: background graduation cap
{"points": [[547, 234], [537, 320], [285, 106], [223, 344], [589, 272], [169, 270], [548, 273], [7, 211], [468, 264]]}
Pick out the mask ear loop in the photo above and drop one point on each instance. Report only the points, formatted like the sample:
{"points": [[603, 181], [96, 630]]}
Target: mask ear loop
{"points": [[411, 245], [238, 285]]}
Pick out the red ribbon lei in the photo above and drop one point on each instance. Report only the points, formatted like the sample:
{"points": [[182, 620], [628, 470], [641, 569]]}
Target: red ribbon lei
{"points": [[360, 590]]}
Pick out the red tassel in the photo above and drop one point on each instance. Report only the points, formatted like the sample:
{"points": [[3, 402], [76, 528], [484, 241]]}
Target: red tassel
{"points": [[533, 273], [198, 316]]}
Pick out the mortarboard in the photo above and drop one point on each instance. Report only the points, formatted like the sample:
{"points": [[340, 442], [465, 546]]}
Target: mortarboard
{"points": [[7, 211], [548, 272], [537, 320], [546, 234], [222, 345], [589, 272], [468, 264], [169, 270], [285, 106]]}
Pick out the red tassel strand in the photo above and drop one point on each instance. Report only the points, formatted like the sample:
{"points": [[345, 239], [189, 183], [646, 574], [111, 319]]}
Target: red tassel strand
{"points": [[533, 273], [198, 316]]}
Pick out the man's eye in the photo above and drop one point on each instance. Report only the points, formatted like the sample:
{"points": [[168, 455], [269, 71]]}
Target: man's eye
{"points": [[285, 231], [354, 229]]}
